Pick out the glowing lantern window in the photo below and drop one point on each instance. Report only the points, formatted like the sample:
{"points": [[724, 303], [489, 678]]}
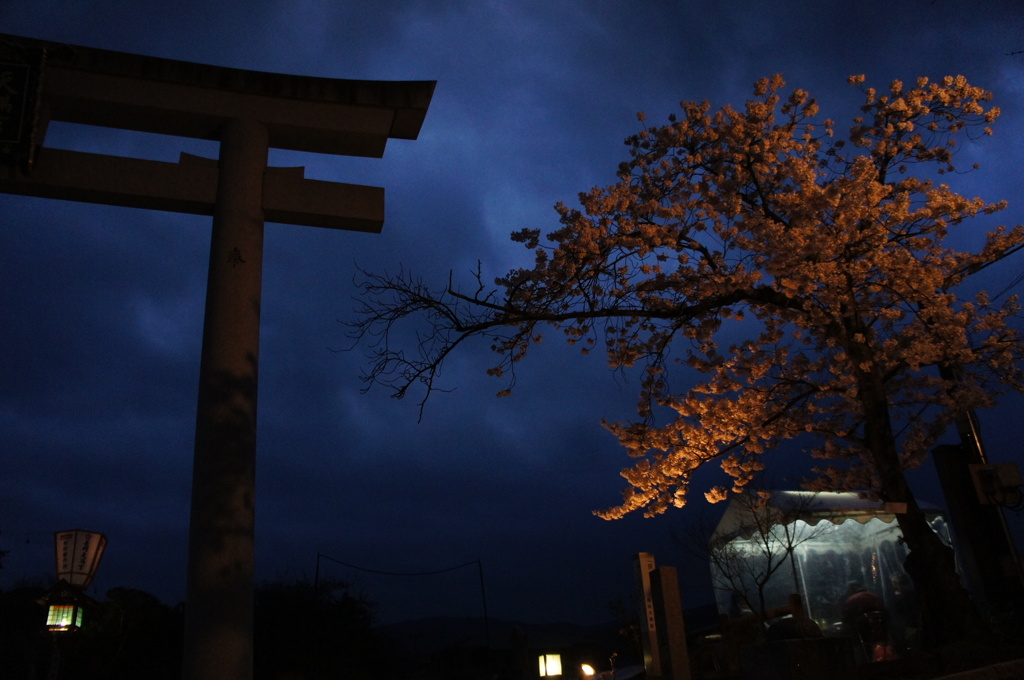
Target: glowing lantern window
{"points": [[550, 664], [63, 617]]}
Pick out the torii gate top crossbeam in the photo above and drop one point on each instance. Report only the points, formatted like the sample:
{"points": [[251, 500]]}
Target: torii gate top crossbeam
{"points": [[42, 81], [151, 94]]}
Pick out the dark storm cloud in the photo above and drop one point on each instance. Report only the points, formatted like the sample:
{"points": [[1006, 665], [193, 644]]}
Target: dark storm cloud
{"points": [[102, 307]]}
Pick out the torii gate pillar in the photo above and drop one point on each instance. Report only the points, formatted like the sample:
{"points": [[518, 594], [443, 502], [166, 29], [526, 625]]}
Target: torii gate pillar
{"points": [[221, 551], [248, 112]]}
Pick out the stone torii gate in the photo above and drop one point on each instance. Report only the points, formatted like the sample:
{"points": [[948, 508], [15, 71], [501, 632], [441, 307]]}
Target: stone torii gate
{"points": [[248, 112]]}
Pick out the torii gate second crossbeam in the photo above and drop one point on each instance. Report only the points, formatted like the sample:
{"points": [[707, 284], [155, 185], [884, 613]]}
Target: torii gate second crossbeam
{"points": [[248, 112]]}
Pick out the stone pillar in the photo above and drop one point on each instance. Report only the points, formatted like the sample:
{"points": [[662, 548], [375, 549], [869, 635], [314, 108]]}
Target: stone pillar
{"points": [[219, 590]]}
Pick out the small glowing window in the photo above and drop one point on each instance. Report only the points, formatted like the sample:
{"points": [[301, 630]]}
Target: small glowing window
{"points": [[550, 664], [63, 617]]}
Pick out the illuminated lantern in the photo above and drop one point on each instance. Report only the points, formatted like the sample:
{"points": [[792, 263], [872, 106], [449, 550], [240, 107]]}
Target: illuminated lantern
{"points": [[78, 555], [64, 608], [550, 665]]}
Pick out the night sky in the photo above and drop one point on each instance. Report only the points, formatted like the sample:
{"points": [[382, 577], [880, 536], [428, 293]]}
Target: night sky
{"points": [[101, 307]]}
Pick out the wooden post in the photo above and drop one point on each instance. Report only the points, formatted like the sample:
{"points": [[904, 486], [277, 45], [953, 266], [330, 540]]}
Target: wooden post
{"points": [[674, 655]]}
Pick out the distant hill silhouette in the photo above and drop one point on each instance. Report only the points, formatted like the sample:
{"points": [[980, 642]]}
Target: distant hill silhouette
{"points": [[429, 635]]}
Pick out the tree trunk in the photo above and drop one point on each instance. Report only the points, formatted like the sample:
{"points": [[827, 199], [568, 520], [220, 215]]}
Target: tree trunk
{"points": [[948, 614]]}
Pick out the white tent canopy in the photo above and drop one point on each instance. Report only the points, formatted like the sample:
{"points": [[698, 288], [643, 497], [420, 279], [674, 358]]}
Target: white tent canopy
{"points": [[801, 542], [811, 507]]}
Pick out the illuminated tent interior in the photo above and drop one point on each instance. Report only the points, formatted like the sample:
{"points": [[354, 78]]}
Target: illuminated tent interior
{"points": [[838, 540]]}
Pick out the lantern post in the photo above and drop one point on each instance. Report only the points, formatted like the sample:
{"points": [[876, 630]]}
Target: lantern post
{"points": [[77, 555]]}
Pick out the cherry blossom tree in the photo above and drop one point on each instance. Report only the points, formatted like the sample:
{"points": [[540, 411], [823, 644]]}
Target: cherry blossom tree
{"points": [[808, 279]]}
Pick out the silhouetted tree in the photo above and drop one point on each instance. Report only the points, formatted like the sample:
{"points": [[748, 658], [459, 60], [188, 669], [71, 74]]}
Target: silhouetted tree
{"points": [[3, 554], [301, 633], [308, 632], [129, 635], [135, 634], [24, 647]]}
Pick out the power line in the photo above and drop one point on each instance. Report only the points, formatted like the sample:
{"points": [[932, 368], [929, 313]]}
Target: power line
{"points": [[477, 562], [1020, 277]]}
